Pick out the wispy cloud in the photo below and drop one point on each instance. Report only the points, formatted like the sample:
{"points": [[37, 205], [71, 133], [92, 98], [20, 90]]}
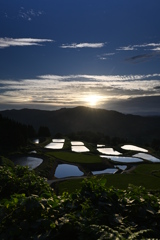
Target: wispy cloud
{"points": [[156, 49], [57, 90], [141, 58], [14, 42], [105, 56], [127, 48], [147, 52], [83, 45], [28, 14], [148, 46], [23, 13]]}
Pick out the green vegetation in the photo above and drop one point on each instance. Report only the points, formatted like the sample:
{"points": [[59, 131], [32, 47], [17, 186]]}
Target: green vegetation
{"points": [[14, 135], [146, 175], [93, 125], [67, 145], [6, 162], [21, 180], [33, 210], [147, 168], [76, 157], [43, 131], [95, 207], [45, 168], [107, 207]]}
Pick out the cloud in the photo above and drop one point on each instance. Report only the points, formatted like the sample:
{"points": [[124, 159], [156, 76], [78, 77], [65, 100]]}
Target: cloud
{"points": [[57, 90], [108, 54], [145, 105], [146, 46], [28, 14], [14, 42], [140, 58], [105, 56], [152, 49], [83, 45], [22, 13], [156, 49], [127, 48]]}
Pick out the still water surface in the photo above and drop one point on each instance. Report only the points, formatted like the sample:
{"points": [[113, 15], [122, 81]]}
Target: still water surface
{"points": [[121, 167], [58, 140], [147, 157], [67, 170], [109, 151], [55, 145], [134, 148], [79, 149], [31, 162], [107, 170], [123, 159], [76, 143]]}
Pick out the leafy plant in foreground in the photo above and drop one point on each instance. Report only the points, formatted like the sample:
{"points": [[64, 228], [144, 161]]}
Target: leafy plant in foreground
{"points": [[93, 212], [21, 180]]}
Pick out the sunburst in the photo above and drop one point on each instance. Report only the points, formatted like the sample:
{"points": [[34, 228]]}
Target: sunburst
{"points": [[92, 100]]}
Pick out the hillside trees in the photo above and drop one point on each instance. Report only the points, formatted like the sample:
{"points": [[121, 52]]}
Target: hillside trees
{"points": [[44, 131], [109, 123], [96, 137], [14, 134]]}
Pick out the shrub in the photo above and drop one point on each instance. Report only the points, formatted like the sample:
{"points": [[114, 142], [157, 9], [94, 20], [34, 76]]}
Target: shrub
{"points": [[93, 212]]}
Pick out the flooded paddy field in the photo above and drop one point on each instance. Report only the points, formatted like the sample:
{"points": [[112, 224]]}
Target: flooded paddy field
{"points": [[80, 161]]}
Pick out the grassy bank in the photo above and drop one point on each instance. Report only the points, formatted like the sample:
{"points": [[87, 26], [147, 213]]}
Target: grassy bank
{"points": [[146, 175], [75, 157]]}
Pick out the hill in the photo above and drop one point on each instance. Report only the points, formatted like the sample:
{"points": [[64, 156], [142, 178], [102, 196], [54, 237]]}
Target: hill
{"points": [[110, 123], [13, 134]]}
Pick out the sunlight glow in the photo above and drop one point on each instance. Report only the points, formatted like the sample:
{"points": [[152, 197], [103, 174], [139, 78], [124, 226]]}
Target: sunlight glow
{"points": [[93, 100]]}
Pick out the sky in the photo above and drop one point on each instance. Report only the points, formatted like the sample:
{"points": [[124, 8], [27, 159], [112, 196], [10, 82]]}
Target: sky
{"points": [[67, 53]]}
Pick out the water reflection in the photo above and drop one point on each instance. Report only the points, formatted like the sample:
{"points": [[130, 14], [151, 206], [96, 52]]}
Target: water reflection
{"points": [[147, 157], [107, 170], [55, 145], [109, 151], [134, 148], [121, 167], [79, 149], [33, 151], [58, 140], [31, 162], [75, 143], [67, 170], [122, 159]]}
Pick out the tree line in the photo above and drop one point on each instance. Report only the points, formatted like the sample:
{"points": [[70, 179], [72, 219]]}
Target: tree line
{"points": [[14, 134]]}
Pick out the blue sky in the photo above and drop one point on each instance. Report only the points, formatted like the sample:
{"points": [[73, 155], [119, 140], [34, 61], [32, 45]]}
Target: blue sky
{"points": [[58, 53]]}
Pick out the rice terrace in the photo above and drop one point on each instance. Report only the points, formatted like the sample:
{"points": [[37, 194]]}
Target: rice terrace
{"points": [[78, 184], [74, 159]]}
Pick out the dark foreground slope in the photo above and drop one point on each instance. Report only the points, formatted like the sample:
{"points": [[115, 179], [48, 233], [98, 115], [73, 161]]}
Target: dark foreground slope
{"points": [[110, 123], [30, 208]]}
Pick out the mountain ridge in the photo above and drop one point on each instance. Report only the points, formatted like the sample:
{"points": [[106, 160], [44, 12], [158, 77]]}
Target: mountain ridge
{"points": [[108, 122]]}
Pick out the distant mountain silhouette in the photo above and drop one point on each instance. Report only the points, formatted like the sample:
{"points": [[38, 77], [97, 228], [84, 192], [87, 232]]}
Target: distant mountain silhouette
{"points": [[111, 123]]}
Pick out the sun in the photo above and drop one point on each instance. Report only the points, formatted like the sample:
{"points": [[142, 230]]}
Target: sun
{"points": [[92, 100]]}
